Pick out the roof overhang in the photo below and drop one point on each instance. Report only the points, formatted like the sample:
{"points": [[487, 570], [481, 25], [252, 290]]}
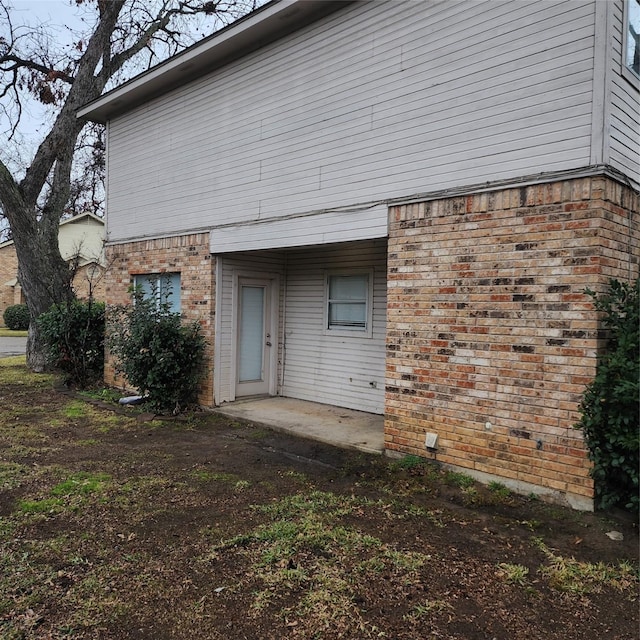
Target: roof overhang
{"points": [[257, 29]]}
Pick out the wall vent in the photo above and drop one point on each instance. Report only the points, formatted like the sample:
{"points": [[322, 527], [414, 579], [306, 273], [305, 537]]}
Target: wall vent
{"points": [[431, 441]]}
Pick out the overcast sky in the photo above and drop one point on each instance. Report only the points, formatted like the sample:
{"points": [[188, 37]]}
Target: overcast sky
{"points": [[53, 10]]}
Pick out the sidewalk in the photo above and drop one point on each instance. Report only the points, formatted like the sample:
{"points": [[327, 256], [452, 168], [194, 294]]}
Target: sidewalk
{"points": [[12, 347]]}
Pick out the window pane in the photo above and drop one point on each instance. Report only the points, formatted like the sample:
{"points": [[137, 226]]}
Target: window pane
{"points": [[164, 288], [147, 284], [170, 291], [347, 301], [632, 56], [348, 287], [251, 343], [345, 314]]}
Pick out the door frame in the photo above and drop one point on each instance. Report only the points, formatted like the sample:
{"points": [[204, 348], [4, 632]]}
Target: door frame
{"points": [[272, 280]]}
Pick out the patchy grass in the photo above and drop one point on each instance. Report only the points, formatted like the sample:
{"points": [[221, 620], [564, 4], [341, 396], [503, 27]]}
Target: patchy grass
{"points": [[117, 528], [46, 505], [10, 333], [65, 496], [408, 462], [12, 474], [459, 479], [499, 490], [579, 577], [76, 409], [106, 394], [14, 373], [303, 561], [513, 573], [80, 484], [426, 609]]}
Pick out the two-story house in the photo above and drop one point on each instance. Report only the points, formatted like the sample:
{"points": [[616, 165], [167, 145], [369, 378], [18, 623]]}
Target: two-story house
{"points": [[394, 207], [81, 244]]}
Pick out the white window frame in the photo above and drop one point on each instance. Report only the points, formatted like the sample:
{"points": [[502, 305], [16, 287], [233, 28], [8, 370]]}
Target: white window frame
{"points": [[627, 71], [351, 332], [148, 277]]}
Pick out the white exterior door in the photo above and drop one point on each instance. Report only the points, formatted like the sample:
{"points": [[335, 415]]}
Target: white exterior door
{"points": [[254, 335]]}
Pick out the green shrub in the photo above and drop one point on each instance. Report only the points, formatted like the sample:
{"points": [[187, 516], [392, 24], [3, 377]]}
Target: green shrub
{"points": [[610, 408], [73, 333], [158, 354], [16, 317]]}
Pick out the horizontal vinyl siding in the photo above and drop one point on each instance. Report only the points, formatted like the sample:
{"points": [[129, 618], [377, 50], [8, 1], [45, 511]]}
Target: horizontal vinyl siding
{"points": [[336, 226], [378, 101], [335, 370], [625, 109]]}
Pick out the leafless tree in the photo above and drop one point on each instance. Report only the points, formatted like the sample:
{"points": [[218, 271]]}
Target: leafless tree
{"points": [[121, 37]]}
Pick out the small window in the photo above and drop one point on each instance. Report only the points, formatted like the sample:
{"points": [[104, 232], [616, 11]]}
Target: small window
{"points": [[631, 46], [163, 287], [348, 302]]}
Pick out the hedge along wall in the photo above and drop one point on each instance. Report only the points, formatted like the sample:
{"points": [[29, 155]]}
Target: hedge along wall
{"points": [[490, 337], [188, 255]]}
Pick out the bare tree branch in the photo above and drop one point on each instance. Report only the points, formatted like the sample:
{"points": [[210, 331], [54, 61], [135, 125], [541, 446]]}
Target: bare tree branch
{"points": [[11, 62], [84, 89]]}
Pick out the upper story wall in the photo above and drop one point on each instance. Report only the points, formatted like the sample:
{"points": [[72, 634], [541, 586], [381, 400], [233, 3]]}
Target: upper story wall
{"points": [[378, 101], [622, 101]]}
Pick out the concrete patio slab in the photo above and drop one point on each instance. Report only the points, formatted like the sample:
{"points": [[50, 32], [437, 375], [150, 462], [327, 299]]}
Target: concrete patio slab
{"points": [[322, 422]]}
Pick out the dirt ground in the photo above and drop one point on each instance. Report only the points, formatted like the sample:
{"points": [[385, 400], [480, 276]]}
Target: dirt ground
{"points": [[114, 525]]}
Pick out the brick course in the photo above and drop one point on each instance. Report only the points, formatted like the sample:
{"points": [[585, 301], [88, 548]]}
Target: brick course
{"points": [[488, 322], [188, 255]]}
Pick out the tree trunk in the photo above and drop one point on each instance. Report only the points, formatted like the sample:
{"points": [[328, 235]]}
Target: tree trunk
{"points": [[44, 276]]}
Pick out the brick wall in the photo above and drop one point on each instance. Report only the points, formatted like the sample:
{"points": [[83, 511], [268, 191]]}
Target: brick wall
{"points": [[491, 339], [188, 255], [89, 279], [8, 270]]}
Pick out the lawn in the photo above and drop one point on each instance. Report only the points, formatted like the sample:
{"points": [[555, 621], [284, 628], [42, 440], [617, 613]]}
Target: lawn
{"points": [[10, 333], [119, 525]]}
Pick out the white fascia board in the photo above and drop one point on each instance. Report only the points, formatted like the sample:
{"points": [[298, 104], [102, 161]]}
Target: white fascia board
{"points": [[301, 231], [83, 216]]}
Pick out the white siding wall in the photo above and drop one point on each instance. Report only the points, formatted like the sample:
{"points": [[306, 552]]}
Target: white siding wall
{"points": [[377, 101], [84, 238], [625, 108], [332, 369]]}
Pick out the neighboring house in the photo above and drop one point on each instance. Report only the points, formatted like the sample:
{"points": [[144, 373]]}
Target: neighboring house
{"points": [[394, 207], [81, 242]]}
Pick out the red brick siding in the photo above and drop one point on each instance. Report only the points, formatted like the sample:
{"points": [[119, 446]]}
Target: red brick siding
{"points": [[188, 255], [488, 322]]}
